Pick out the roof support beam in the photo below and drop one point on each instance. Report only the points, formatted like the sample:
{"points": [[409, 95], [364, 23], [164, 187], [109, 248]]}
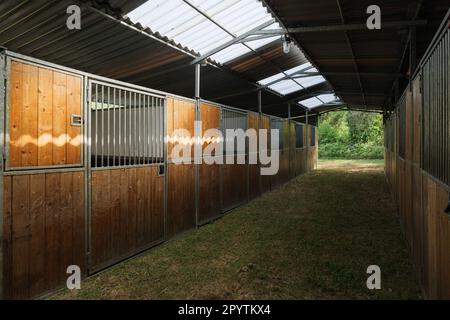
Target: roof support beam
{"points": [[343, 27], [365, 74], [232, 42], [352, 52], [287, 77]]}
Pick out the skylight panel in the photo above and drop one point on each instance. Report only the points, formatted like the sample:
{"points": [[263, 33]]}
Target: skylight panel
{"points": [[285, 87], [310, 81], [327, 98], [289, 85], [181, 23], [318, 100], [311, 102]]}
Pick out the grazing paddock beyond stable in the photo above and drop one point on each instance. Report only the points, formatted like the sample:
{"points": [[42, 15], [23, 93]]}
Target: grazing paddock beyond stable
{"points": [[313, 238]]}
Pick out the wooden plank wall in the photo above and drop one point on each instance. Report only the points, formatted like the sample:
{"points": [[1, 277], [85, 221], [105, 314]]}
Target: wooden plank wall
{"points": [[421, 201], [181, 215], [209, 175], [127, 214], [44, 214], [41, 104], [44, 231], [234, 184]]}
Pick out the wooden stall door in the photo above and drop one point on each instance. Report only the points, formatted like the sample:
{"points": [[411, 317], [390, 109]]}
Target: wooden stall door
{"points": [[209, 174], [127, 214], [42, 102]]}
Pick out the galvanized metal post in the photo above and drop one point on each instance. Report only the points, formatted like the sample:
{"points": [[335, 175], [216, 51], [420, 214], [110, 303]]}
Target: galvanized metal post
{"points": [[88, 170], [412, 49], [259, 102], [197, 146], [290, 138], [259, 128], [2, 115]]}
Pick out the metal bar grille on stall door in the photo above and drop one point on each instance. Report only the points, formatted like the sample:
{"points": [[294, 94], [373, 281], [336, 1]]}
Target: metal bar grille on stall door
{"points": [[127, 127]]}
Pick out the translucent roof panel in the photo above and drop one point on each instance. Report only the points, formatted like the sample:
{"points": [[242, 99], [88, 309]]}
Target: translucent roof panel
{"points": [[297, 84], [180, 22], [318, 100]]}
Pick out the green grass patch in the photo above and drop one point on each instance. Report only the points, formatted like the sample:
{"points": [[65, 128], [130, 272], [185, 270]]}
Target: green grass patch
{"points": [[313, 238]]}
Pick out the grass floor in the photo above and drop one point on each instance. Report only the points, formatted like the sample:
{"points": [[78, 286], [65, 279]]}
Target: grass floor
{"points": [[313, 238]]}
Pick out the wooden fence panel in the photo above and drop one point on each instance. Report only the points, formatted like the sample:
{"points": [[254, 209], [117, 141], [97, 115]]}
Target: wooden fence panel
{"points": [[43, 231]]}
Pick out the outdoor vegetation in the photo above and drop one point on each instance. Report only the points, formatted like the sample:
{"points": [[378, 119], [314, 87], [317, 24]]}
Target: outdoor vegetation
{"points": [[351, 135]]}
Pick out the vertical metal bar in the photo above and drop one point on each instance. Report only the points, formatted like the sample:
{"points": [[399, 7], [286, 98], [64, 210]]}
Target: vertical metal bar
{"points": [[3, 81], [96, 112], [166, 167], [156, 130], [221, 111], [125, 127], [153, 129], [114, 109], [412, 49], [129, 128], [447, 102], [87, 109], [138, 123], [196, 142], [149, 132], [161, 130], [108, 112], [260, 102], [197, 80], [144, 129], [149, 105], [135, 126], [103, 125], [119, 136], [158, 126]]}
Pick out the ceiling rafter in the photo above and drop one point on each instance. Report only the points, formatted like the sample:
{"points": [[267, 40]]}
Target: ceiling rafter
{"points": [[352, 52]]}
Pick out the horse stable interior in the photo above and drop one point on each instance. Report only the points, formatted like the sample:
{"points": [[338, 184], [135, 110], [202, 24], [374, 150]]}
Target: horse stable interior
{"points": [[88, 117]]}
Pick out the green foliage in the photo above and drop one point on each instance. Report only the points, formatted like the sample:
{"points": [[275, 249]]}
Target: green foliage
{"points": [[351, 135]]}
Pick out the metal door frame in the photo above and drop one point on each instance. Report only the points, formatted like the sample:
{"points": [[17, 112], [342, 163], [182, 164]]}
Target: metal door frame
{"points": [[90, 80]]}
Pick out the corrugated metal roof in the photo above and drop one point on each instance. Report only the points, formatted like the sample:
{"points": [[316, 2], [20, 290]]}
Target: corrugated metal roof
{"points": [[378, 51], [130, 52], [203, 25]]}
